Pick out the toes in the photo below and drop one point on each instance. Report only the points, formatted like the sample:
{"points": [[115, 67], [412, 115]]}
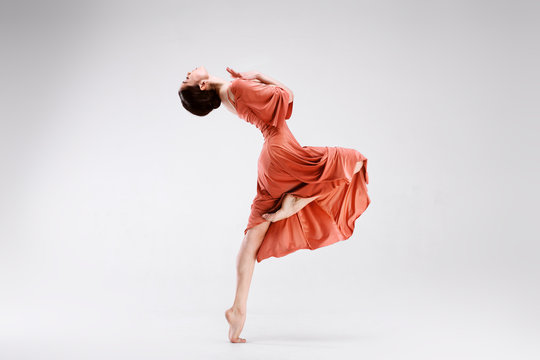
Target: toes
{"points": [[238, 340], [268, 217]]}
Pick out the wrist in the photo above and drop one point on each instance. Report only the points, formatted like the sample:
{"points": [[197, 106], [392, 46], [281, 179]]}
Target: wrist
{"points": [[266, 80]]}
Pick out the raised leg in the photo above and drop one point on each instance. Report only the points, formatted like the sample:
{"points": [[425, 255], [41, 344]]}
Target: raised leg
{"points": [[245, 264], [292, 204], [358, 166], [289, 206]]}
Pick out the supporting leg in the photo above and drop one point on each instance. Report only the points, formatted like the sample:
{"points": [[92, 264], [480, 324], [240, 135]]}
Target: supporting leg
{"points": [[245, 264]]}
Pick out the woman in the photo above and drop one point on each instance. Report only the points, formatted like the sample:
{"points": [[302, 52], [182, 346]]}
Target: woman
{"points": [[307, 197]]}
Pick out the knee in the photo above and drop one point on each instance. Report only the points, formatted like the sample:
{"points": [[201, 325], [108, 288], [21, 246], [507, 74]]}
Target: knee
{"points": [[254, 237], [358, 166]]}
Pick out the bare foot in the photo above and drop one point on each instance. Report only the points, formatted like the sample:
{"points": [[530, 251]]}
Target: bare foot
{"points": [[236, 323], [286, 210]]}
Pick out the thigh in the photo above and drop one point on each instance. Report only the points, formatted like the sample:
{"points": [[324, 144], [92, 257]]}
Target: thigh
{"points": [[255, 235]]}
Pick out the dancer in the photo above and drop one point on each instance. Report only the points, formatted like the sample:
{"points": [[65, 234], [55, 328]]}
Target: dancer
{"points": [[307, 196]]}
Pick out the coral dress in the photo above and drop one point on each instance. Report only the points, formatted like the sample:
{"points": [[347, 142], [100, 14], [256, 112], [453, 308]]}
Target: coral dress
{"points": [[284, 166]]}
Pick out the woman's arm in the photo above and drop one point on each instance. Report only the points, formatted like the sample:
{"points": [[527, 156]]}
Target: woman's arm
{"points": [[268, 80]]}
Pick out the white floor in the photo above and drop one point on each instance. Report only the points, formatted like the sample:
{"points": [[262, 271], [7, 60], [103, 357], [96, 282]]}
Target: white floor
{"points": [[435, 332]]}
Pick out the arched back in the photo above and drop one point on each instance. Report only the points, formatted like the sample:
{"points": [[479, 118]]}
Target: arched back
{"points": [[266, 106]]}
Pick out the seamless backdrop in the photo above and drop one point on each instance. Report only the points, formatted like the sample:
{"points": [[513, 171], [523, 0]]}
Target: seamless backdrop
{"points": [[121, 213]]}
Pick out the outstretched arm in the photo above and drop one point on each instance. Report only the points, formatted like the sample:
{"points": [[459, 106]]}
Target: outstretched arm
{"points": [[268, 80], [249, 75]]}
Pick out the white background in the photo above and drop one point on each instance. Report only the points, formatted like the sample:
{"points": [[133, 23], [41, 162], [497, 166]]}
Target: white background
{"points": [[121, 213]]}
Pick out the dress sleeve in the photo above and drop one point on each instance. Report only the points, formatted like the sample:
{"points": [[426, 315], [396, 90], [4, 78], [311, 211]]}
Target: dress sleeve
{"points": [[268, 103]]}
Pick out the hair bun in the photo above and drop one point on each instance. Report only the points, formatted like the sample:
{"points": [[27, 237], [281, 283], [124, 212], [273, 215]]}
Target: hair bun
{"points": [[216, 102]]}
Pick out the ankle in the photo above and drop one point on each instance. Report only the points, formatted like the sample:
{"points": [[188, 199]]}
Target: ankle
{"points": [[238, 310]]}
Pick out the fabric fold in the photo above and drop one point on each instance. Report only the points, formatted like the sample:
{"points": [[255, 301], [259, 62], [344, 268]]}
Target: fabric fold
{"points": [[265, 106], [285, 167]]}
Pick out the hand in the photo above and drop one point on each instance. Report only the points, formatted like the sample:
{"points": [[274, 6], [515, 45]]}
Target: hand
{"points": [[248, 75]]}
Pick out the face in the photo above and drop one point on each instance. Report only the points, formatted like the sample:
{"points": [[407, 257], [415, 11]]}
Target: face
{"points": [[195, 76]]}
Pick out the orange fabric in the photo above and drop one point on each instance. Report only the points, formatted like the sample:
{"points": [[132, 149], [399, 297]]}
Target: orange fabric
{"points": [[284, 166]]}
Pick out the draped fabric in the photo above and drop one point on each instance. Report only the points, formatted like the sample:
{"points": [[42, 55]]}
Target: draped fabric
{"points": [[286, 167], [265, 106]]}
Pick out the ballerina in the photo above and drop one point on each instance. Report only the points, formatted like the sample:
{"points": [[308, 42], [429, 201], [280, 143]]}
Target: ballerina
{"points": [[307, 196]]}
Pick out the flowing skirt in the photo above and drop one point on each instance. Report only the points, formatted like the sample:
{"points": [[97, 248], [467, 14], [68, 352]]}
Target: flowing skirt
{"points": [[285, 167]]}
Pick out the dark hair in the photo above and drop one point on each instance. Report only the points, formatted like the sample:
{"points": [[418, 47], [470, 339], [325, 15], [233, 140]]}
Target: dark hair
{"points": [[199, 102]]}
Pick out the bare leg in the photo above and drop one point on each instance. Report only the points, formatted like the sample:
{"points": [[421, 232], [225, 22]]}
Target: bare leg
{"points": [[358, 166], [245, 263], [291, 205]]}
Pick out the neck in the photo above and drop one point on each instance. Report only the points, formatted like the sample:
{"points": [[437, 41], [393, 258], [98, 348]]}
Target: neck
{"points": [[221, 86], [217, 83]]}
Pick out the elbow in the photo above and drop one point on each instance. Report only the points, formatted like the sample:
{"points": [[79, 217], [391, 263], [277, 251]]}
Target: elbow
{"points": [[291, 96], [289, 91]]}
